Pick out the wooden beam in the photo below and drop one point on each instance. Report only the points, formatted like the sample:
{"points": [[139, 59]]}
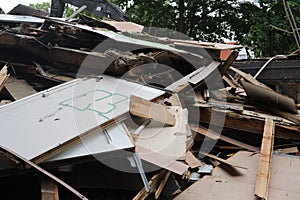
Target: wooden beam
{"points": [[242, 122], [49, 190], [223, 68], [3, 77], [264, 167], [149, 110], [215, 136]]}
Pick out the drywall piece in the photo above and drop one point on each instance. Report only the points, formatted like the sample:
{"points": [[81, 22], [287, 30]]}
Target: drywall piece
{"points": [[19, 88], [161, 160], [264, 167], [149, 110], [49, 120], [97, 143], [215, 136], [224, 186], [269, 97], [3, 77], [167, 141]]}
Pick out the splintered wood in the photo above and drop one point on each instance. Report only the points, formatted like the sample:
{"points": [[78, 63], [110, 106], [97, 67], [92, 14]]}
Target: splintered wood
{"points": [[264, 167], [3, 77], [149, 110]]}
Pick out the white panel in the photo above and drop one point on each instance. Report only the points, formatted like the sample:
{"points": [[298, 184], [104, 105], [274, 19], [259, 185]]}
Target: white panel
{"points": [[98, 143], [167, 141], [43, 121]]}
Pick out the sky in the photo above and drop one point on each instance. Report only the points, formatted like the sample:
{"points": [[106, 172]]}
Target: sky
{"points": [[7, 5]]}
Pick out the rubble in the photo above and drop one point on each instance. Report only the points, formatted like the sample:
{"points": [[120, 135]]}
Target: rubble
{"points": [[84, 111]]}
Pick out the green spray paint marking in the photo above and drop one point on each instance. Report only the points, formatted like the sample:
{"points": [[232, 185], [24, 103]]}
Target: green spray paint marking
{"points": [[87, 106]]}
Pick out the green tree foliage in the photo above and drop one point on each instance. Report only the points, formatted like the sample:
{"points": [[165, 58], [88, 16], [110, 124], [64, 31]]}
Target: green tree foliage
{"points": [[264, 37], [42, 6]]}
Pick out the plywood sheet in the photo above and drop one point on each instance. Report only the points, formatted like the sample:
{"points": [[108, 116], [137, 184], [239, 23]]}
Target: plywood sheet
{"points": [[224, 186], [50, 118]]}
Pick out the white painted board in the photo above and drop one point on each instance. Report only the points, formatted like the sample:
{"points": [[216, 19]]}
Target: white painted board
{"points": [[36, 124], [98, 143]]}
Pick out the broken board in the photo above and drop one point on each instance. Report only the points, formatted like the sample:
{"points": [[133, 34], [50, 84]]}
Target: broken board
{"points": [[48, 120]]}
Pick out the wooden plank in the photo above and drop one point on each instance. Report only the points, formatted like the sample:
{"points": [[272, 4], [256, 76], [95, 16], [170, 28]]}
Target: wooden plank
{"points": [[223, 160], [19, 88], [162, 161], [162, 185], [292, 117], [149, 110], [222, 185], [249, 78], [153, 183], [215, 136], [238, 121], [3, 77], [191, 160], [289, 150], [264, 167], [49, 190], [223, 68]]}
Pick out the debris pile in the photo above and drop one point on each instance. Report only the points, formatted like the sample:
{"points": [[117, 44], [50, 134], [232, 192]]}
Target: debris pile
{"points": [[100, 104]]}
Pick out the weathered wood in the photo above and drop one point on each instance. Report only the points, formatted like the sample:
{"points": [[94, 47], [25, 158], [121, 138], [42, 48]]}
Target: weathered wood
{"points": [[269, 99], [249, 78], [292, 117], [222, 160], [289, 150], [49, 190], [222, 185], [215, 136], [237, 121], [3, 77], [223, 68], [19, 88], [162, 161], [149, 110], [153, 183], [264, 167], [191, 160], [162, 184]]}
